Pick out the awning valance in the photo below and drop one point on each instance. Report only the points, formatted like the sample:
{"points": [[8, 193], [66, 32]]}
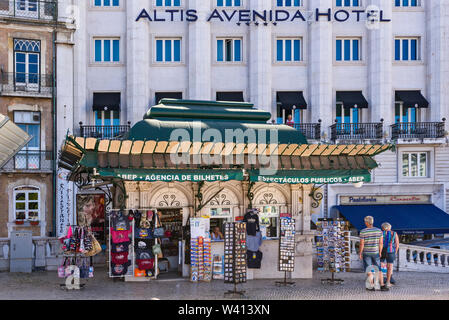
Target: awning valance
{"points": [[109, 101], [12, 139], [230, 96], [412, 99], [352, 99], [404, 218], [288, 99]]}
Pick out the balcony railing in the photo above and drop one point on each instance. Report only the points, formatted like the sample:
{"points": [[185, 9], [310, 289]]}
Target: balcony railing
{"points": [[418, 130], [104, 132], [357, 131], [29, 161], [312, 131], [29, 9], [16, 82]]}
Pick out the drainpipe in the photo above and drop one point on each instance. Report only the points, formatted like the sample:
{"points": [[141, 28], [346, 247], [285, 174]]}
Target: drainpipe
{"points": [[55, 145]]}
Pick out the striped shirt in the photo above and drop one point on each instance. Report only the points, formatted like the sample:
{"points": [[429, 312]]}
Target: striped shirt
{"points": [[390, 241], [371, 237]]}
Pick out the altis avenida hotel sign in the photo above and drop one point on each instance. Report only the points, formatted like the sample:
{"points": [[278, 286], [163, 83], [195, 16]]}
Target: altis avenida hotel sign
{"points": [[372, 15]]}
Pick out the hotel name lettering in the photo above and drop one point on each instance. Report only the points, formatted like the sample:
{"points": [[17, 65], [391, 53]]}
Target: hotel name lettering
{"points": [[263, 16]]}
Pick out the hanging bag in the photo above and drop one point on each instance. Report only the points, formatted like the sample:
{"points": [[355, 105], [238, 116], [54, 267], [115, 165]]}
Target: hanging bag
{"points": [[61, 269], [96, 247], [84, 270], [157, 251], [159, 231]]}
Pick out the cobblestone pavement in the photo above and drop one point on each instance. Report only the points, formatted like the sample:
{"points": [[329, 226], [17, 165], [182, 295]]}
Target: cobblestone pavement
{"points": [[46, 285]]}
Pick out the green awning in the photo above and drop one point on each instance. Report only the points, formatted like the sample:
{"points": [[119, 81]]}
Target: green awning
{"points": [[312, 176], [181, 175]]}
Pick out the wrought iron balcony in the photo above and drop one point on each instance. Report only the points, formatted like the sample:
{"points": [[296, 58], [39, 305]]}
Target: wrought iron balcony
{"points": [[104, 132], [30, 161], [312, 131], [29, 9], [30, 83], [357, 131], [418, 130]]}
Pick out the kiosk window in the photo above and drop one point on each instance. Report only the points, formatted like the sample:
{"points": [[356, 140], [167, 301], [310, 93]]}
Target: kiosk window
{"points": [[218, 217], [269, 221]]}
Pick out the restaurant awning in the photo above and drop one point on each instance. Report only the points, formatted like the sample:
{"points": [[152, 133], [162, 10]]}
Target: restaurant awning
{"points": [[412, 99], [404, 218], [288, 99], [12, 139], [230, 96], [352, 99], [106, 101]]}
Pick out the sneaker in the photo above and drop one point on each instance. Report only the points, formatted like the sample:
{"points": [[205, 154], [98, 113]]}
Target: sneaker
{"points": [[370, 289], [384, 288], [389, 285]]}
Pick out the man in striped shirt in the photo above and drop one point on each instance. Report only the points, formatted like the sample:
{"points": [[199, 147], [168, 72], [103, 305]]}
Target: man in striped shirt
{"points": [[371, 244]]}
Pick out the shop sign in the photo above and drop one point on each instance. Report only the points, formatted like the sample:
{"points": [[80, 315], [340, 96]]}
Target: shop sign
{"points": [[174, 175], [312, 177], [371, 13], [199, 227], [385, 199], [64, 203]]}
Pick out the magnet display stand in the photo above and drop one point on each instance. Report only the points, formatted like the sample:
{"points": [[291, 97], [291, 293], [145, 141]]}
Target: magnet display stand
{"points": [[287, 250], [235, 262], [333, 248]]}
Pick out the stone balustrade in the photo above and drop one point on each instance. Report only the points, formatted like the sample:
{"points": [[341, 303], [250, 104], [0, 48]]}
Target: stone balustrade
{"points": [[410, 258], [46, 252]]}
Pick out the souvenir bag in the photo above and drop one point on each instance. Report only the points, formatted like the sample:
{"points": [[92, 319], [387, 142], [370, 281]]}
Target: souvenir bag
{"points": [[144, 220], [157, 251], [81, 247], [145, 264], [139, 273], [120, 236], [142, 254], [119, 269], [84, 270], [120, 247], [119, 258], [61, 269], [158, 231], [96, 247], [144, 233], [88, 240]]}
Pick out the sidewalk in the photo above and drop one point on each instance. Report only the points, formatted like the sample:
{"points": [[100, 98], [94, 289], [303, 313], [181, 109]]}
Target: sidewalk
{"points": [[45, 285]]}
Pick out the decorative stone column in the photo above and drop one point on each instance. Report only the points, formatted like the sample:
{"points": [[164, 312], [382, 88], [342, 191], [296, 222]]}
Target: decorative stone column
{"points": [[133, 193], [145, 195]]}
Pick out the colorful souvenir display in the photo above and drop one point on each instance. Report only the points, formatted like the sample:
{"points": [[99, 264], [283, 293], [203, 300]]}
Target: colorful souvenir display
{"points": [[119, 243], [235, 263], [287, 245], [200, 259], [333, 245]]}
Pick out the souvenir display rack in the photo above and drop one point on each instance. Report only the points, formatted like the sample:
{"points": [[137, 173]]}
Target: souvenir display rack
{"points": [[333, 248], [201, 259], [235, 263], [130, 275], [287, 249]]}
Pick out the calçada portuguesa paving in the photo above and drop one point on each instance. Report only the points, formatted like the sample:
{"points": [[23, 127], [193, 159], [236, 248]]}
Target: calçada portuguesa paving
{"points": [[46, 285]]}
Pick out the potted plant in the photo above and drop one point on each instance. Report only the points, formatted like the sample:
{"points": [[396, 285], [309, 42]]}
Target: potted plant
{"points": [[20, 219], [34, 222]]}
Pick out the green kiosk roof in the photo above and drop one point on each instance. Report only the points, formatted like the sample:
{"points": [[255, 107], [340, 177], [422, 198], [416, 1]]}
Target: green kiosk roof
{"points": [[160, 121]]}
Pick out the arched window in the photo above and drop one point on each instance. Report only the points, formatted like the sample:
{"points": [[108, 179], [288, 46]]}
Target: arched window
{"points": [[27, 203]]}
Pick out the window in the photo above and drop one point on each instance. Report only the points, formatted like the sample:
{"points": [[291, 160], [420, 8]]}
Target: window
{"points": [[347, 115], [406, 3], [107, 50], [406, 49], [229, 3], [289, 3], [347, 3], [168, 50], [229, 50], [168, 3], [269, 221], [348, 49], [27, 8], [26, 203], [414, 164], [218, 217], [107, 3], [29, 157], [288, 50], [26, 60], [404, 114]]}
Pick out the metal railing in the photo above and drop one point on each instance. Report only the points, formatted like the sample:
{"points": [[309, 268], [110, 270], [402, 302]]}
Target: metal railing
{"points": [[29, 161], [357, 131], [29, 9], [33, 83], [104, 132], [418, 130], [311, 131]]}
